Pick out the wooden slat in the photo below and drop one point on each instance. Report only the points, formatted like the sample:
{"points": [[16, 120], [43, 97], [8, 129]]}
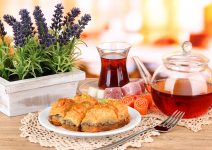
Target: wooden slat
{"points": [[27, 84]]}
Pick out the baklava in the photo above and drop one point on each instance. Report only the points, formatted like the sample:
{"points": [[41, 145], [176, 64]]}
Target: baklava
{"points": [[84, 113], [74, 116], [59, 110], [122, 111], [104, 117]]}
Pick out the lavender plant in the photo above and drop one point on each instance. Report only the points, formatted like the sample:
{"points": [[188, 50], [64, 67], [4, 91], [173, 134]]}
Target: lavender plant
{"points": [[64, 53], [44, 51]]}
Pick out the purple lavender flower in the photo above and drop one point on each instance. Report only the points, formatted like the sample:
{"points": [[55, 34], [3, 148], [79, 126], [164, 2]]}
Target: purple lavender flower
{"points": [[19, 37], [9, 19], [57, 18], [44, 37], [26, 23], [2, 30], [69, 19], [68, 34], [82, 23], [41, 24], [73, 30], [50, 40]]}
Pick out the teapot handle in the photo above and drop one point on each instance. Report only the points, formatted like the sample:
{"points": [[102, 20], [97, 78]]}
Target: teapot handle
{"points": [[143, 72]]}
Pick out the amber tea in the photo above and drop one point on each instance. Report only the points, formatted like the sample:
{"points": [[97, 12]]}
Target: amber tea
{"points": [[192, 97], [113, 71]]}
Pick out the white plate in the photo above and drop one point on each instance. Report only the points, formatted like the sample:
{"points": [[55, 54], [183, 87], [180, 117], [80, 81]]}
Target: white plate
{"points": [[134, 121]]}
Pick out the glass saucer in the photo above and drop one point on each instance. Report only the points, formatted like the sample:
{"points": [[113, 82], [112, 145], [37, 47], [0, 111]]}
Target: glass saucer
{"points": [[83, 88]]}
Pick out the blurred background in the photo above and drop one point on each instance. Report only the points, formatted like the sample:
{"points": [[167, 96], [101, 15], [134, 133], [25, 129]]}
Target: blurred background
{"points": [[153, 27]]}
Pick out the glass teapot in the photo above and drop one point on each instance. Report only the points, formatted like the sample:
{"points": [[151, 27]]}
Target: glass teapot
{"points": [[183, 82]]}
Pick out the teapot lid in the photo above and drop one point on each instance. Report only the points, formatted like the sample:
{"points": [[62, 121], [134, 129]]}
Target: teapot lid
{"points": [[185, 60]]}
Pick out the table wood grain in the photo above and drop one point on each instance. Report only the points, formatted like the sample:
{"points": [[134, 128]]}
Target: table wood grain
{"points": [[179, 138]]}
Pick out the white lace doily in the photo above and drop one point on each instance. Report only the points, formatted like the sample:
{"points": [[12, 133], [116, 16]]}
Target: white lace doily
{"points": [[35, 133]]}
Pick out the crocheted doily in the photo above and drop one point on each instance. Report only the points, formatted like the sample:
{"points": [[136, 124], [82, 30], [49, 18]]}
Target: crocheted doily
{"points": [[35, 133]]}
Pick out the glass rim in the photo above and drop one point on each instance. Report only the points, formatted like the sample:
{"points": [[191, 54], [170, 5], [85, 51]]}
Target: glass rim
{"points": [[125, 45]]}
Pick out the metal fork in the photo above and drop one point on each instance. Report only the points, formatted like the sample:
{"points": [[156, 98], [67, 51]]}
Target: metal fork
{"points": [[163, 127]]}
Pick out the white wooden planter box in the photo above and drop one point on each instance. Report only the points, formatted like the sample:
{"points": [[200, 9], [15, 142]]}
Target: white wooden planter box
{"points": [[30, 95]]}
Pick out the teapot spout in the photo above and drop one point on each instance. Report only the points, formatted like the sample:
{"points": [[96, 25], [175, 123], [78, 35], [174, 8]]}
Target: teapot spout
{"points": [[143, 71]]}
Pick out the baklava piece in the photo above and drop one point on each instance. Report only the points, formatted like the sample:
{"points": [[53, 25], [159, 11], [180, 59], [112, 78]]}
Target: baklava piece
{"points": [[74, 117], [101, 117], [59, 109], [122, 111]]}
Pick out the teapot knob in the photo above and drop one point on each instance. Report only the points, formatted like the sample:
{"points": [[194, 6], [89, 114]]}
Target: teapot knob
{"points": [[186, 46]]}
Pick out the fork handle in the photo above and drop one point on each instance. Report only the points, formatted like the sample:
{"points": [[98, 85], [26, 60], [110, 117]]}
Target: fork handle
{"points": [[124, 140]]}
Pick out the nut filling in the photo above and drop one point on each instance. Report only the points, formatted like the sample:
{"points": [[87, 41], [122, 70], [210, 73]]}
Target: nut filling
{"points": [[98, 124], [67, 122]]}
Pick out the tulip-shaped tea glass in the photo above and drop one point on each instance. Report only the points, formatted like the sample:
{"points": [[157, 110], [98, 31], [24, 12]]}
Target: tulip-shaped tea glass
{"points": [[113, 64]]}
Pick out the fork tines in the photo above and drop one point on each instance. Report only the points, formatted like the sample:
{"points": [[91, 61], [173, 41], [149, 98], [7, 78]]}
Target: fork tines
{"points": [[173, 119]]}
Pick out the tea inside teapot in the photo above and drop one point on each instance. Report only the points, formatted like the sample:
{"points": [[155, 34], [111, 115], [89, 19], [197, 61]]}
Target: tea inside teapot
{"points": [[192, 97]]}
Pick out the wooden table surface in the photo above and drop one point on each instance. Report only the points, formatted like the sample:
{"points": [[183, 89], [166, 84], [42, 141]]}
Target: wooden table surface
{"points": [[179, 138]]}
